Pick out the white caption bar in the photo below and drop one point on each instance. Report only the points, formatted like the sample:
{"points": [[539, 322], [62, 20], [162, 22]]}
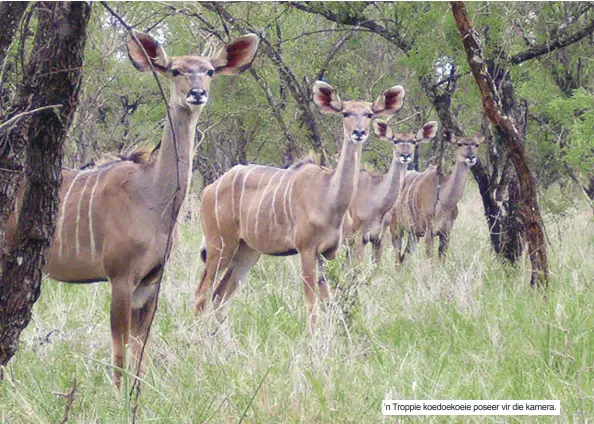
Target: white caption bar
{"points": [[471, 407]]}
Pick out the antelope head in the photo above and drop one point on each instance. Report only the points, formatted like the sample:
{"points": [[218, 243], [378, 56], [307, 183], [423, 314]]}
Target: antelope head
{"points": [[191, 75], [357, 114], [404, 144], [466, 148]]}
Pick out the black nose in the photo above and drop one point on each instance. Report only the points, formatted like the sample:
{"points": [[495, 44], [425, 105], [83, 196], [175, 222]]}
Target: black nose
{"points": [[358, 133], [471, 157], [198, 92]]}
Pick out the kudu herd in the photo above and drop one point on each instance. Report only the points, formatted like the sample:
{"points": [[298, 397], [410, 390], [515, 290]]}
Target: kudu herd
{"points": [[116, 220]]}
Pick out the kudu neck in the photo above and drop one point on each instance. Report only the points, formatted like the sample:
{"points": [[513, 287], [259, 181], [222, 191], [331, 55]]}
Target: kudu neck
{"points": [[173, 166], [390, 184], [452, 188], [343, 182]]}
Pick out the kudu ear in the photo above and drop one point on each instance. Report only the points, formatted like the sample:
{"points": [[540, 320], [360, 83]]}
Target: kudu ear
{"points": [[156, 55], [427, 132], [326, 98], [382, 130], [389, 101], [480, 136], [237, 56]]}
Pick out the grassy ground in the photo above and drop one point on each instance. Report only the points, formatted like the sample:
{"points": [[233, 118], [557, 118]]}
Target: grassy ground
{"points": [[471, 329]]}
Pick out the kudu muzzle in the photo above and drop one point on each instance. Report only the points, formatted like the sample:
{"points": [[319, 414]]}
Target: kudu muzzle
{"points": [[471, 159], [197, 96], [405, 158], [359, 136]]}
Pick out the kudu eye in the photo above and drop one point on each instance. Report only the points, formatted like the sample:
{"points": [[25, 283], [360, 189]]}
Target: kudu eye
{"points": [[175, 72], [210, 72], [460, 144], [345, 114], [370, 115]]}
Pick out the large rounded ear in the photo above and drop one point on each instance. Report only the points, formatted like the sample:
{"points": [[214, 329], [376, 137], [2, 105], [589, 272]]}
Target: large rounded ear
{"points": [[389, 101], [326, 98], [427, 132], [479, 137], [156, 55], [237, 56], [382, 130]]}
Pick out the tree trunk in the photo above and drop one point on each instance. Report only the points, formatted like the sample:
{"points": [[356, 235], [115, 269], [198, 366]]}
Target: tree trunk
{"points": [[10, 18], [11, 13], [52, 77], [528, 209]]}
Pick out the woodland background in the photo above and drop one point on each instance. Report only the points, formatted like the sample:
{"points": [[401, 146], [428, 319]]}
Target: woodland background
{"points": [[265, 117]]}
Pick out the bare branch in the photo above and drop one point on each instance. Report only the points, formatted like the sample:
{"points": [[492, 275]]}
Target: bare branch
{"points": [[551, 46], [335, 49], [355, 20], [29, 112]]}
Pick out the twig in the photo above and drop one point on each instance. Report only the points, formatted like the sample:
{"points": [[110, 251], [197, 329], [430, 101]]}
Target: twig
{"points": [[28, 112], [69, 401], [405, 119]]}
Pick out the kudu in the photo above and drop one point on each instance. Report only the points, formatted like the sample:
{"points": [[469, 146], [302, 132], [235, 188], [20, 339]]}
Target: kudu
{"points": [[376, 194], [114, 220], [428, 203], [253, 210]]}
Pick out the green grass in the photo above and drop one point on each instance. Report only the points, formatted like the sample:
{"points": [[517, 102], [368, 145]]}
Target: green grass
{"points": [[470, 329]]}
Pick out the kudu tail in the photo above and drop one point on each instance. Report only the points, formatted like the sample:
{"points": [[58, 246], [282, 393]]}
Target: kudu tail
{"points": [[203, 250]]}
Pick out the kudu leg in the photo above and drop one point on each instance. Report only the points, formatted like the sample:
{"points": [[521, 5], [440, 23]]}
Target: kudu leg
{"points": [[411, 245], [397, 236], [377, 251], [308, 266], [322, 282], [143, 308], [120, 325], [218, 257], [243, 260], [429, 241], [358, 249], [444, 241]]}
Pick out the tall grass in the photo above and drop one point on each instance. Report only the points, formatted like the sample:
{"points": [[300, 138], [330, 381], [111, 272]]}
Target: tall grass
{"points": [[469, 329]]}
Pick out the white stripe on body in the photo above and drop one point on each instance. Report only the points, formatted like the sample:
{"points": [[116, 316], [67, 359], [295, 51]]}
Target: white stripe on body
{"points": [[217, 203], [262, 200], [80, 199], [242, 193], [252, 203], [293, 220], [290, 202], [273, 209], [285, 199], [60, 226], [233, 192], [91, 230]]}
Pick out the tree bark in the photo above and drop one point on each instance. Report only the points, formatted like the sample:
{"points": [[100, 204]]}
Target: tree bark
{"points": [[528, 209], [52, 77], [11, 13], [10, 18]]}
